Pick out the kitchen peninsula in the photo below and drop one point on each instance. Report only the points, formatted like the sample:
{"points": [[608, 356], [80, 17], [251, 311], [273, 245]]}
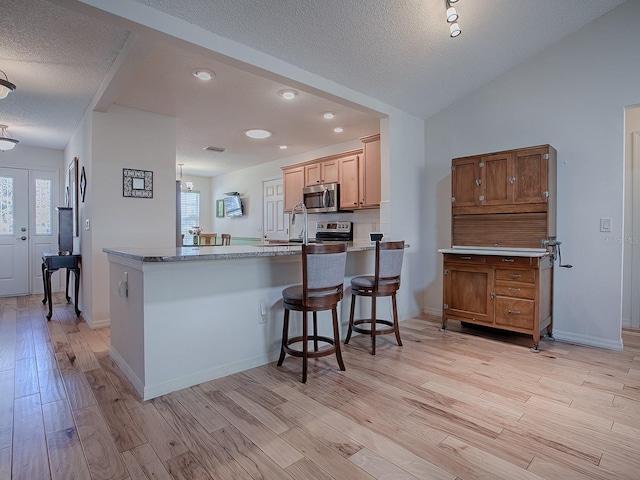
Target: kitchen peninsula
{"points": [[183, 316]]}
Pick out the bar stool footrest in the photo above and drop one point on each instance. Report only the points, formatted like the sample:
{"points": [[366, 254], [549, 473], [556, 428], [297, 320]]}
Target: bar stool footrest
{"points": [[328, 349], [379, 331]]}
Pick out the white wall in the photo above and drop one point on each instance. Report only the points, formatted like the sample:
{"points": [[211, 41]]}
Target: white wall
{"points": [[632, 124], [127, 138], [571, 96]]}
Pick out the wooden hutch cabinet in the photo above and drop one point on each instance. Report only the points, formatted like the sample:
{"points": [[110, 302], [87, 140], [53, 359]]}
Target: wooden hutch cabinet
{"points": [[499, 272]]}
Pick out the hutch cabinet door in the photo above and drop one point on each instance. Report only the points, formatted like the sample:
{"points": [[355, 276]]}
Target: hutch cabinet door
{"points": [[496, 178], [465, 182], [531, 174], [467, 292]]}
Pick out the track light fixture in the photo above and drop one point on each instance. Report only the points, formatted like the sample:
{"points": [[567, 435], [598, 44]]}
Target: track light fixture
{"points": [[452, 19], [6, 87]]}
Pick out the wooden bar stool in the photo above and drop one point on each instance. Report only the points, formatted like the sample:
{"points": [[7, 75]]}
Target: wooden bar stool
{"points": [[323, 268], [384, 283], [226, 239]]}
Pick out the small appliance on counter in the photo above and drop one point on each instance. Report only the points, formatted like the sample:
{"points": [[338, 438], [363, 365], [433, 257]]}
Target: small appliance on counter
{"points": [[336, 231]]}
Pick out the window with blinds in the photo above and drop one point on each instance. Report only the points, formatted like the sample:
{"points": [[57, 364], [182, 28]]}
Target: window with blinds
{"points": [[190, 214]]}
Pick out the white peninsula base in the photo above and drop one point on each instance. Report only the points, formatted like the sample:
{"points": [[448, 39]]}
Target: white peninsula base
{"points": [[199, 314]]}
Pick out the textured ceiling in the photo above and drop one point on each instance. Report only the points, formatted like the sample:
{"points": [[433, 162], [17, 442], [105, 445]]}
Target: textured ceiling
{"points": [[57, 59], [397, 51]]}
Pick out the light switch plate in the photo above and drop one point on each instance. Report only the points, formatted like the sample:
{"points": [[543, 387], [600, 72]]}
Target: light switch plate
{"points": [[605, 224]]}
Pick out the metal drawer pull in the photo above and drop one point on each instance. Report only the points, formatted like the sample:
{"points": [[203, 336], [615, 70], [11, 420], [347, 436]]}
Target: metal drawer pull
{"points": [[511, 289], [516, 312], [510, 260], [465, 258], [515, 275]]}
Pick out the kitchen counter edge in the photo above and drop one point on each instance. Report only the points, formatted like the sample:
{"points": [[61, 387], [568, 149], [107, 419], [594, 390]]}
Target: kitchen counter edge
{"points": [[181, 254]]}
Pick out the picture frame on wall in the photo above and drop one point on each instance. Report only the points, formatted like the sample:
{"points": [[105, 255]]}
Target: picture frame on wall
{"points": [[83, 184], [219, 208], [72, 194], [137, 183]]}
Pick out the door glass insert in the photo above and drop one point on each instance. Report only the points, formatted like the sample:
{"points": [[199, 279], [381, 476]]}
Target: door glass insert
{"points": [[6, 206], [43, 203]]}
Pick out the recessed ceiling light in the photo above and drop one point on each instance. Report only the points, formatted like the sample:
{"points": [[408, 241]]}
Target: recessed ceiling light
{"points": [[288, 94], [338, 129], [257, 133], [203, 73], [283, 147], [328, 115]]}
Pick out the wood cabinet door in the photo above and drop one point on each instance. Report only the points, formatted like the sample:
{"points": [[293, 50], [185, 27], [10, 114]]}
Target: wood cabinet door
{"points": [[349, 181], [369, 186], [321, 172], [495, 175], [531, 175], [293, 180], [312, 175], [465, 182], [330, 172], [467, 292]]}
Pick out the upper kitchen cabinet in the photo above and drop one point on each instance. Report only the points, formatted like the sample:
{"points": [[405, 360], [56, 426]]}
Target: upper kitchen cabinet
{"points": [[322, 172], [521, 180], [293, 182], [360, 177]]}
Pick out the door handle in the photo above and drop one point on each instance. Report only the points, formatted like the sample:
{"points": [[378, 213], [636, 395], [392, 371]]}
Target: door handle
{"points": [[23, 238]]}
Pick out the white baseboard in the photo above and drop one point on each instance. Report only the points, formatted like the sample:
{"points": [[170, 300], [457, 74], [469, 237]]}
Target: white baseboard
{"points": [[138, 384], [588, 340]]}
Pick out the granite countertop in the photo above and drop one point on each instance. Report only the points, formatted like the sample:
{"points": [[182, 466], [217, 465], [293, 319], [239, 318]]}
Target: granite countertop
{"points": [[510, 252], [204, 252]]}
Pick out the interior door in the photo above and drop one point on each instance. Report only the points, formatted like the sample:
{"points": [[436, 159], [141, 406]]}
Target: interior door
{"points": [[275, 223], [14, 232]]}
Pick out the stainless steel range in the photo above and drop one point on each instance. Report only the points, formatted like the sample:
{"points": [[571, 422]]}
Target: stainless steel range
{"points": [[334, 231]]}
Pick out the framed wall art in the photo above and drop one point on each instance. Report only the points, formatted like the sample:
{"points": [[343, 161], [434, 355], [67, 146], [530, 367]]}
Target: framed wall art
{"points": [[137, 183], [220, 208], [83, 184], [73, 194]]}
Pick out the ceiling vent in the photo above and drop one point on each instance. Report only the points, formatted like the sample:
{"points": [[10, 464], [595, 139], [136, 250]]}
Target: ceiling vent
{"points": [[215, 149]]}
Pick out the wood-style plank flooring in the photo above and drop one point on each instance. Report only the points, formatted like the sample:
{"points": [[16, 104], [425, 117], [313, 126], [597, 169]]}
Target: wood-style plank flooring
{"points": [[456, 405]]}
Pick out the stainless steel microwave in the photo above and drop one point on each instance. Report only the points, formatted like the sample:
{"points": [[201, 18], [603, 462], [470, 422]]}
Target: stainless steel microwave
{"points": [[322, 198]]}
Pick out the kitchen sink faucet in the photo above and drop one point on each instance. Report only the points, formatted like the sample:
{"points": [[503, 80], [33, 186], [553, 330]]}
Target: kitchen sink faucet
{"points": [[305, 229]]}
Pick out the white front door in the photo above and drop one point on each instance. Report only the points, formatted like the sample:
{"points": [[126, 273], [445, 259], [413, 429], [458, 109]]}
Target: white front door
{"points": [[275, 223], [14, 232]]}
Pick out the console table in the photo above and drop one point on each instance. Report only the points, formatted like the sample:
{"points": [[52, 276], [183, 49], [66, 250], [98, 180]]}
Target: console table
{"points": [[51, 262]]}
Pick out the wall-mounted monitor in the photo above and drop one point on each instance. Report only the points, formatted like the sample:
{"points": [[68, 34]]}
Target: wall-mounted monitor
{"points": [[233, 206]]}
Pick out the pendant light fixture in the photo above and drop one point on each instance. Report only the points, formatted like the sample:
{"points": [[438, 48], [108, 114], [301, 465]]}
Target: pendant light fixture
{"points": [[6, 87], [6, 143]]}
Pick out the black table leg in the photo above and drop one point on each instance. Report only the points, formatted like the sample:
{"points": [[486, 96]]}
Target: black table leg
{"points": [[44, 283], [48, 294], [76, 271], [66, 288]]}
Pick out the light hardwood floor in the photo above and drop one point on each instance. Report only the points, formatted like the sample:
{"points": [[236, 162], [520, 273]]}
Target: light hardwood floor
{"points": [[444, 406]]}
